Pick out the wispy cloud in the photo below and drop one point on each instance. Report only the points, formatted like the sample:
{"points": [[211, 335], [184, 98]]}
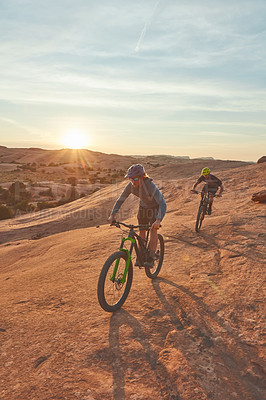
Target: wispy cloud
{"points": [[146, 25], [16, 124]]}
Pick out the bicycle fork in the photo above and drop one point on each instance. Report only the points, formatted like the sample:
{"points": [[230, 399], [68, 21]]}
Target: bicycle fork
{"points": [[128, 252]]}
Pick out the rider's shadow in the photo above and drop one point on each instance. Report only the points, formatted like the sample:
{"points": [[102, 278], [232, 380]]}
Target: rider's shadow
{"points": [[121, 363], [203, 326]]}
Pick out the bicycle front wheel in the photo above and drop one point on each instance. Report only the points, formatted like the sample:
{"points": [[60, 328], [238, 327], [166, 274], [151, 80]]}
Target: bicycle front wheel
{"points": [[112, 290], [200, 217], [153, 272]]}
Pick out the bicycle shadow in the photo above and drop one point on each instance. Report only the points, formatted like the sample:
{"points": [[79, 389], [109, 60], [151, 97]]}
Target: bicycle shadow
{"points": [[167, 387], [203, 326]]}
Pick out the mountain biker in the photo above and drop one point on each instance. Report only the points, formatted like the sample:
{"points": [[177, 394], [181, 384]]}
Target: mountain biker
{"points": [[212, 183], [152, 206]]}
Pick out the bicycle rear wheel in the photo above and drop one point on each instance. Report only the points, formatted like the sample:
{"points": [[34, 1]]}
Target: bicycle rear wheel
{"points": [[200, 217], [111, 291], [153, 272]]}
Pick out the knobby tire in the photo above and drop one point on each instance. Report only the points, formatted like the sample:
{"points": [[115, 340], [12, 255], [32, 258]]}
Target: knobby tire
{"points": [[112, 298], [153, 272], [200, 217]]}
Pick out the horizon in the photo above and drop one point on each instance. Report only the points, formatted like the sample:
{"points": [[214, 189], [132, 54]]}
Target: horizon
{"points": [[207, 157], [121, 78]]}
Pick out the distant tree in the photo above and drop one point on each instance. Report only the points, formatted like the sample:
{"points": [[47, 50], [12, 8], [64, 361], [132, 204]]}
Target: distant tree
{"points": [[17, 187], [18, 192]]}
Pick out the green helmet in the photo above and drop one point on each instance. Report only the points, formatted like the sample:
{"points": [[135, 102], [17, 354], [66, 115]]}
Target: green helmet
{"points": [[205, 171]]}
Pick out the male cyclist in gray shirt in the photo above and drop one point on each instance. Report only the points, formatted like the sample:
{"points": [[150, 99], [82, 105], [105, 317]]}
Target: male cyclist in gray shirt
{"points": [[152, 205]]}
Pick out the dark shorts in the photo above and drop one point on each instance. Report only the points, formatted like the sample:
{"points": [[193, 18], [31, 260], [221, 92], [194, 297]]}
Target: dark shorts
{"points": [[210, 189], [147, 216]]}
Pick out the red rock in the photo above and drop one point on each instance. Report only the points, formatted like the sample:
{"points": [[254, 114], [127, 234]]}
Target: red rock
{"points": [[261, 160], [259, 196]]}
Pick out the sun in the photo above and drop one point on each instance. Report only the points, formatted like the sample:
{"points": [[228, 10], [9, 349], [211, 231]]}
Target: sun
{"points": [[75, 139]]}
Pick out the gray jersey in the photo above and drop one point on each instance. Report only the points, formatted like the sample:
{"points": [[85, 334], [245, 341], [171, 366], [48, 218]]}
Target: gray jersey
{"points": [[150, 197]]}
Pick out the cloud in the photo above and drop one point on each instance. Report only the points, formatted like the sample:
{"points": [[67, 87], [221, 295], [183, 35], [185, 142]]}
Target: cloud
{"points": [[146, 25]]}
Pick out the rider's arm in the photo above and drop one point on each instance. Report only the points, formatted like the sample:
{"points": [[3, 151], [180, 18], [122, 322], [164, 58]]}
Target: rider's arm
{"points": [[156, 224], [158, 196], [201, 178], [126, 192], [221, 189]]}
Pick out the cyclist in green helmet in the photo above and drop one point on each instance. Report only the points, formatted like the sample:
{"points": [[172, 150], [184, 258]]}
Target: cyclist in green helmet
{"points": [[212, 183]]}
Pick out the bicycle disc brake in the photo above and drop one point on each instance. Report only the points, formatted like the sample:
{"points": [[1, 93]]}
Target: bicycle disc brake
{"points": [[118, 282]]}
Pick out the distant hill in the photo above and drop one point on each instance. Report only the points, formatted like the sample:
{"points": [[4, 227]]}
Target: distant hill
{"points": [[99, 160], [63, 156]]}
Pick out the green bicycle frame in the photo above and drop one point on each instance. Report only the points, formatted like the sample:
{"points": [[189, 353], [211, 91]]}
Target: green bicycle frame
{"points": [[112, 278]]}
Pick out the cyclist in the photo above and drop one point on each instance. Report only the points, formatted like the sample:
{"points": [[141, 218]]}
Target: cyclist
{"points": [[152, 206], [212, 183]]}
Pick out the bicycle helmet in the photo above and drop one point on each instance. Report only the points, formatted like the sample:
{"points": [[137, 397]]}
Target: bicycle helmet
{"points": [[205, 171], [136, 170]]}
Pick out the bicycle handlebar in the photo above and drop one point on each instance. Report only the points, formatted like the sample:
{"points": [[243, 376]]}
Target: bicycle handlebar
{"points": [[199, 192], [117, 224]]}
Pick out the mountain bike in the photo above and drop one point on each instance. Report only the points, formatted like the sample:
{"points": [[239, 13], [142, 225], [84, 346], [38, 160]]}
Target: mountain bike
{"points": [[117, 273], [202, 208]]}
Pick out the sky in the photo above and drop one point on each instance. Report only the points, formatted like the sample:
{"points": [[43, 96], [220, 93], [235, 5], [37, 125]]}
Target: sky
{"points": [[177, 77]]}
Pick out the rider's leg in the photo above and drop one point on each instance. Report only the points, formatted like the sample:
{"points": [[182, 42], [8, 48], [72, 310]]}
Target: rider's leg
{"points": [[142, 234], [153, 242], [148, 216], [152, 248], [153, 234], [210, 203], [203, 191]]}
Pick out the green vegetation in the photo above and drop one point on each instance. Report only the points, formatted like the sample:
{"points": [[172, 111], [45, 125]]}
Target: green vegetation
{"points": [[16, 197], [5, 212], [24, 195]]}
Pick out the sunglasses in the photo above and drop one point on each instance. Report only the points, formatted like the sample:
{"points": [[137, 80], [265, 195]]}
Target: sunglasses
{"points": [[134, 179]]}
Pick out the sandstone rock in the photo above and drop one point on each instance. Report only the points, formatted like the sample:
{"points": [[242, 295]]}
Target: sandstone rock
{"points": [[261, 160], [259, 196]]}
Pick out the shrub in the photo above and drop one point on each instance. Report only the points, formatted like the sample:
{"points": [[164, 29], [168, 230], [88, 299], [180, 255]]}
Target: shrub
{"points": [[18, 192], [5, 212], [23, 205]]}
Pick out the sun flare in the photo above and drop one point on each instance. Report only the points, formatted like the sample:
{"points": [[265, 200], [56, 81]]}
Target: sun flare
{"points": [[75, 140]]}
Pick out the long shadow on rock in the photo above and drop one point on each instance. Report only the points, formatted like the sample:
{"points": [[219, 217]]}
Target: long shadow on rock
{"points": [[227, 367], [122, 361]]}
